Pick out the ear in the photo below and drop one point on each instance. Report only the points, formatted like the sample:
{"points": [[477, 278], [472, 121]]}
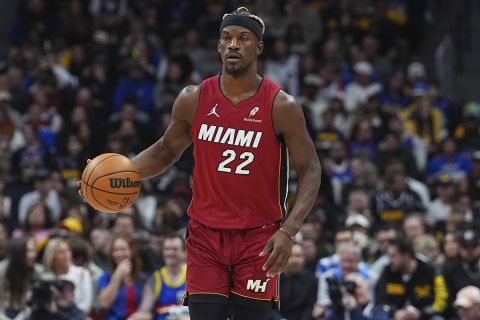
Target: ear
{"points": [[218, 47], [259, 47]]}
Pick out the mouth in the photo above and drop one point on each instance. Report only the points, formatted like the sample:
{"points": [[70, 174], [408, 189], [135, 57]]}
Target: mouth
{"points": [[232, 57]]}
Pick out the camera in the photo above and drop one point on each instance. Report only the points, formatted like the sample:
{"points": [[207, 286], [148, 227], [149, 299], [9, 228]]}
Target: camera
{"points": [[44, 294], [336, 291]]}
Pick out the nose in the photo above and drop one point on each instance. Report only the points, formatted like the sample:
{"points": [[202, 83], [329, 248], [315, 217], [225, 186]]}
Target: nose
{"points": [[233, 43]]}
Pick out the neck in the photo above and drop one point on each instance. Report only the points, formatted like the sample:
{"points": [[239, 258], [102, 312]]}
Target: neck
{"points": [[234, 87], [174, 270], [61, 270]]}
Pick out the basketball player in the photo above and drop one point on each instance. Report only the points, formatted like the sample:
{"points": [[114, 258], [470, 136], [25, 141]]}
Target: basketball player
{"points": [[241, 125]]}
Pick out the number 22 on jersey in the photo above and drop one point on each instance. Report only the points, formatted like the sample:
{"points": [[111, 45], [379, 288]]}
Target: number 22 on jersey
{"points": [[230, 156]]}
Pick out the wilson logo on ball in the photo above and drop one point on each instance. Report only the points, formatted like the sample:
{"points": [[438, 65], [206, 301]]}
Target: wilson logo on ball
{"points": [[124, 183]]}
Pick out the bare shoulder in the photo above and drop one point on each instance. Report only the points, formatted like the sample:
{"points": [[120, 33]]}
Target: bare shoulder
{"points": [[284, 101], [186, 103], [286, 112], [190, 93]]}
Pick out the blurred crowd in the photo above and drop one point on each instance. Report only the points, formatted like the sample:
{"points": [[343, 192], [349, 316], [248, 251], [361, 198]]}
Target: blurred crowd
{"points": [[393, 233]]}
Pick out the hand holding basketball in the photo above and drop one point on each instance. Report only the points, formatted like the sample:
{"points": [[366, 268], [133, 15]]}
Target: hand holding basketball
{"points": [[110, 183]]}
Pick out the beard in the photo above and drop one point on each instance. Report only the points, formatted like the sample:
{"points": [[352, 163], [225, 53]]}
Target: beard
{"points": [[236, 71]]}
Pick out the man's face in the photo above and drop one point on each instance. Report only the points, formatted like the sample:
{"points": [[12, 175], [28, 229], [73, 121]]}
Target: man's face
{"points": [[238, 48], [343, 237], [470, 253], [413, 227], [384, 236], [173, 251], [348, 262], [471, 313], [296, 260], [397, 260]]}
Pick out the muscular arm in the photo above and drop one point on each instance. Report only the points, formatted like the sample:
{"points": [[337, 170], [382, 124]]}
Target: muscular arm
{"points": [[289, 121], [167, 150]]}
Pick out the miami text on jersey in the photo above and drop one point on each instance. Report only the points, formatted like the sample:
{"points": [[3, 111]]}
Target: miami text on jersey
{"points": [[234, 137]]}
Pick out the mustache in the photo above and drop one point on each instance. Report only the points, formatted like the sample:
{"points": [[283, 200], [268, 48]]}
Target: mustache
{"points": [[233, 55]]}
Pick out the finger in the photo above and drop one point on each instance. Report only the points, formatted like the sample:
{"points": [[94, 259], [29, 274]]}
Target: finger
{"points": [[267, 248], [282, 263], [271, 260], [276, 266]]}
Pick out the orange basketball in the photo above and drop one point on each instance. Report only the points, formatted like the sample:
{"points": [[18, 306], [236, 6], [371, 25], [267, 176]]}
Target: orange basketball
{"points": [[111, 183]]}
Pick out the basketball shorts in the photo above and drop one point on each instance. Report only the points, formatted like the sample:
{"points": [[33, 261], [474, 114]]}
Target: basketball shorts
{"points": [[226, 263]]}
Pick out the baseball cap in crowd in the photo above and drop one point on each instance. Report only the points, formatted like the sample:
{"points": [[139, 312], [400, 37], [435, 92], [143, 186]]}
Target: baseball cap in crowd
{"points": [[364, 68], [469, 238], [313, 80], [467, 297], [72, 224], [416, 70], [357, 219]]}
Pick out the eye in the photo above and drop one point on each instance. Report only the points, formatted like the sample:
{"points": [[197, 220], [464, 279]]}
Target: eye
{"points": [[243, 38]]}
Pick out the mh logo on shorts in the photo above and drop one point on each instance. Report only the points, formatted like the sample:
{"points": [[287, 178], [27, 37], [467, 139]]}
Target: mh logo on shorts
{"points": [[257, 285]]}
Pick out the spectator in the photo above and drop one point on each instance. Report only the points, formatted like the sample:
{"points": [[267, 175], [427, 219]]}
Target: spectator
{"points": [[356, 93], [363, 144], [410, 286], [384, 235], [451, 247], [100, 239], [124, 224], [42, 192], [57, 261], [396, 200], [17, 274], [427, 246], [450, 162], [467, 133], [299, 288], [391, 149], [67, 309], [393, 97], [426, 121], [120, 288], [467, 303], [414, 226], [441, 208], [338, 168], [410, 141], [38, 225], [342, 236], [283, 67], [357, 303], [465, 271], [135, 85], [165, 289], [349, 258]]}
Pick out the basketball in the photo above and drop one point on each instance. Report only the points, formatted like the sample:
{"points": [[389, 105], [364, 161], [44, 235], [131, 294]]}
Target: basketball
{"points": [[111, 183]]}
